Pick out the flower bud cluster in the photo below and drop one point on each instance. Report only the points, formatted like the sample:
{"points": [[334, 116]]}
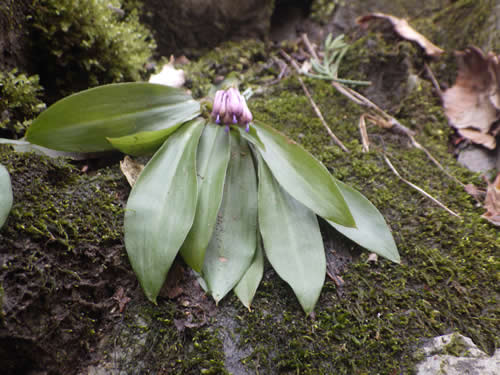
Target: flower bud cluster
{"points": [[230, 107]]}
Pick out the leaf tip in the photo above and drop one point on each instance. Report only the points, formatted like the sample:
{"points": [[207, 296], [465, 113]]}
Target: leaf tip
{"points": [[153, 300]]}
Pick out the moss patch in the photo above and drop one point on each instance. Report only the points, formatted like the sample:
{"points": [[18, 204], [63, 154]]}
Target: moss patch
{"points": [[244, 60], [61, 262], [70, 248], [20, 102], [88, 43], [448, 279]]}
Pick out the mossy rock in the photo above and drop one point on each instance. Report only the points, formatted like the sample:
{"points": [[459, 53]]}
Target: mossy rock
{"points": [[20, 102], [88, 43], [70, 224], [60, 256], [193, 27]]}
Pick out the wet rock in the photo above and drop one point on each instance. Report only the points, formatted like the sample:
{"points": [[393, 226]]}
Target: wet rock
{"points": [[455, 354], [479, 159], [194, 25]]}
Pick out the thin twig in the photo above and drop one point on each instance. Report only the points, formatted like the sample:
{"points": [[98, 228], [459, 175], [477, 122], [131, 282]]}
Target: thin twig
{"points": [[309, 46], [364, 134], [361, 100], [313, 104], [336, 279], [389, 122], [434, 80], [421, 191]]}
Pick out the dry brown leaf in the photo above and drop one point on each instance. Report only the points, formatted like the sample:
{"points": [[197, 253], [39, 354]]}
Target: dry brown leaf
{"points": [[403, 28], [121, 298], [475, 192], [492, 202], [472, 104], [475, 136], [494, 68], [131, 169]]}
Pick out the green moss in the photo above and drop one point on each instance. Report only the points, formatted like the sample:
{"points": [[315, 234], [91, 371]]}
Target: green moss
{"points": [[53, 202], [20, 102], [61, 247], [322, 10], [88, 43], [244, 60], [159, 346], [463, 23], [456, 347], [447, 279]]}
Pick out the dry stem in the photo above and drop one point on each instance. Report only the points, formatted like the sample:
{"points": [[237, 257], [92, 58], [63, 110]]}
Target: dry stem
{"points": [[311, 100], [421, 191]]}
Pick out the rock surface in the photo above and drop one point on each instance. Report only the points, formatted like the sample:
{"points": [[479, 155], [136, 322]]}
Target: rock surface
{"points": [[455, 354], [197, 25], [479, 159]]}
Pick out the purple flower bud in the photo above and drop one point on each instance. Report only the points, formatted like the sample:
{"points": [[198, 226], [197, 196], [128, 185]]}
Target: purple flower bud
{"points": [[227, 118], [223, 107], [217, 105], [230, 107], [246, 115], [234, 102]]}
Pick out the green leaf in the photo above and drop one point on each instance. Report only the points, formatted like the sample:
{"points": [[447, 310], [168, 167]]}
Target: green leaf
{"points": [[82, 122], [247, 286], [212, 160], [144, 142], [292, 239], [300, 174], [372, 231], [5, 195], [161, 208], [232, 246]]}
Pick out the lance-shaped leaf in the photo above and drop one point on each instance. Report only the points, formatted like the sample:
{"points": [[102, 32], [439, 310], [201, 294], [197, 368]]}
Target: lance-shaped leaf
{"points": [[300, 174], [144, 142], [82, 122], [372, 231], [292, 239], [247, 286], [5, 195], [232, 246], [212, 160], [161, 207]]}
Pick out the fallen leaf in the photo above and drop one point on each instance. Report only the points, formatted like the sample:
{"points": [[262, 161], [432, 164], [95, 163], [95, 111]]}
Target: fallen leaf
{"points": [[476, 136], [492, 202], [494, 68], [131, 169], [169, 76], [403, 28], [121, 298], [471, 105], [475, 192]]}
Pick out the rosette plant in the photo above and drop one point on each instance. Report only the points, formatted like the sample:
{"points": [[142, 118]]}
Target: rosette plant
{"points": [[220, 190]]}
